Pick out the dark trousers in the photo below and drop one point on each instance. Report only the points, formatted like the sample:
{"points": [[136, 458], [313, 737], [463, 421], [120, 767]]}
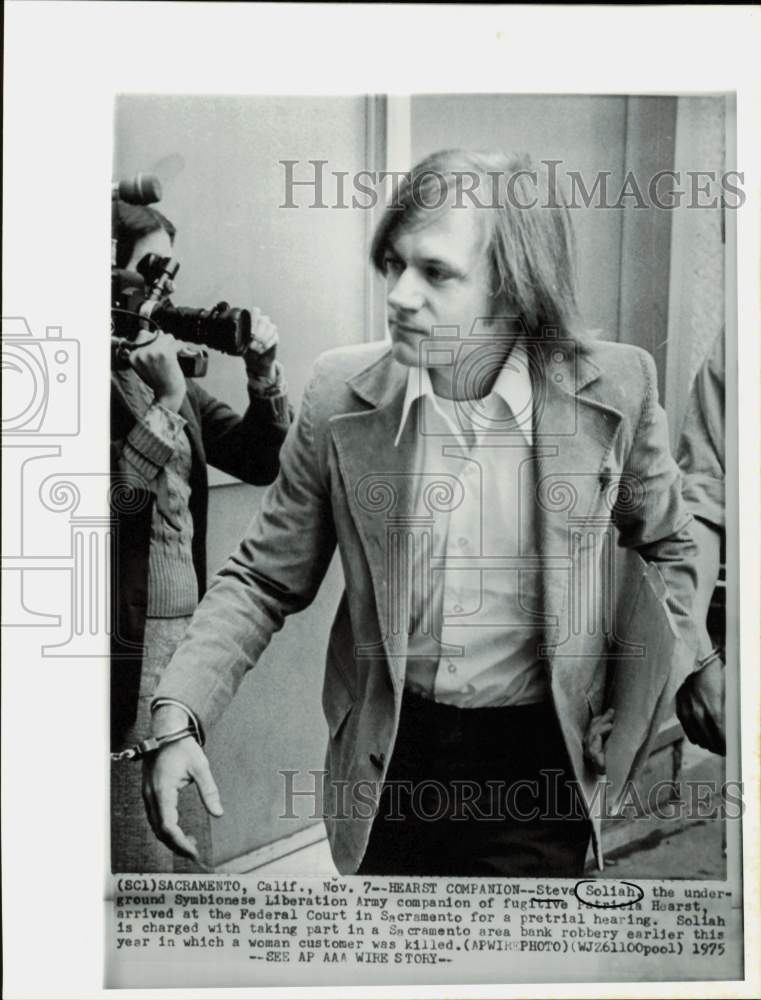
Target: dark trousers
{"points": [[485, 791]]}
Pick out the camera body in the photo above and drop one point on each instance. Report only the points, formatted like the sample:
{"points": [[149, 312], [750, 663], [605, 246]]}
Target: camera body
{"points": [[45, 398], [140, 301]]}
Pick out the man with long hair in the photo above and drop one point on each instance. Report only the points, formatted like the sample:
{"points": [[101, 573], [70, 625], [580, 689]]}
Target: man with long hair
{"points": [[455, 469]]}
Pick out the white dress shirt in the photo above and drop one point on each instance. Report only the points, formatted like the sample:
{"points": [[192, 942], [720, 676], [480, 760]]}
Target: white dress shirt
{"points": [[474, 593]]}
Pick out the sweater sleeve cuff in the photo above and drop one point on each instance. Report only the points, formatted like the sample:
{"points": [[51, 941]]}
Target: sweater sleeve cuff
{"points": [[268, 385], [270, 394]]}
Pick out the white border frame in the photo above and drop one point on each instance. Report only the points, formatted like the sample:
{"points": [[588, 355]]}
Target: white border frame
{"points": [[64, 62]]}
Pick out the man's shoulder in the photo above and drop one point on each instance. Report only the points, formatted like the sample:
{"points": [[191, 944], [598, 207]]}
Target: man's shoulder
{"points": [[624, 367], [613, 358], [335, 370], [622, 376], [345, 362]]}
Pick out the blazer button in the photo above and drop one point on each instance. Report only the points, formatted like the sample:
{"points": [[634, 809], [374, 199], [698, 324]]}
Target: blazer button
{"points": [[378, 760]]}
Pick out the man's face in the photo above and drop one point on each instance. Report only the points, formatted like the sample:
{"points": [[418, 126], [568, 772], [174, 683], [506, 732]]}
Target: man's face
{"points": [[436, 275]]}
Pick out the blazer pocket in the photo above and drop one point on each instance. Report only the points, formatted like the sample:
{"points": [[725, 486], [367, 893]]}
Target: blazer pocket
{"points": [[337, 699]]}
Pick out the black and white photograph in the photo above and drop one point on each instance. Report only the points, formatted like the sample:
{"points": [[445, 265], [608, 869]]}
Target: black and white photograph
{"points": [[539, 333], [416, 583]]}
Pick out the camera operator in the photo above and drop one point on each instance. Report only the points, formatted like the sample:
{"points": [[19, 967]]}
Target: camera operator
{"points": [[164, 429]]}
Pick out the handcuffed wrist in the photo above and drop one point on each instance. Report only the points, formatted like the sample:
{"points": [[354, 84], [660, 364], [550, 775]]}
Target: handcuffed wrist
{"points": [[189, 716], [152, 744]]}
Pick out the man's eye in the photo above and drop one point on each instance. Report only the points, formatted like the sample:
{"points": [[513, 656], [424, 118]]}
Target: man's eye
{"points": [[437, 275]]}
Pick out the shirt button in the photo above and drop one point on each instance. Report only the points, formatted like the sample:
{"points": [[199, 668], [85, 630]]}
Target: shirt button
{"points": [[451, 667], [458, 609], [462, 542]]}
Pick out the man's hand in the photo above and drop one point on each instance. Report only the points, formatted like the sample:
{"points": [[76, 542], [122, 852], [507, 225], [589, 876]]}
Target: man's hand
{"points": [[594, 740], [260, 354], [700, 707], [164, 774], [158, 367]]}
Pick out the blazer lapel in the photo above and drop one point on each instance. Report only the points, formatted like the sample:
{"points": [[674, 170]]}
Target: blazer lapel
{"points": [[573, 435], [380, 487]]}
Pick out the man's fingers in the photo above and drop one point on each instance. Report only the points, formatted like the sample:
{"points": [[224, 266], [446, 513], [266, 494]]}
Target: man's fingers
{"points": [[149, 799], [715, 737], [207, 787], [171, 835], [596, 756], [593, 751], [709, 714], [594, 741], [174, 767], [700, 707], [687, 723], [714, 725], [691, 714], [169, 831]]}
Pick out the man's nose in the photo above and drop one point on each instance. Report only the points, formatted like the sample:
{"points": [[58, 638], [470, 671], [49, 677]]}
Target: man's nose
{"points": [[406, 294]]}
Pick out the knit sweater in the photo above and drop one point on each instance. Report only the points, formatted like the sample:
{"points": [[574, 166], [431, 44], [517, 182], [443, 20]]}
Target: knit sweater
{"points": [[159, 439]]}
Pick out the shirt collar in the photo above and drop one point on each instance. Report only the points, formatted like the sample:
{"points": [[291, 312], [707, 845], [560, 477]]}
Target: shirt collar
{"points": [[513, 385]]}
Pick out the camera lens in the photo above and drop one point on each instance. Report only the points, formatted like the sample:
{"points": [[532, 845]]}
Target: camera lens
{"points": [[223, 329]]}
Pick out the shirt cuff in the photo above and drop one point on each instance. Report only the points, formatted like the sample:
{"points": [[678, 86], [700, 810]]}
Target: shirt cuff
{"points": [[198, 732], [152, 441]]}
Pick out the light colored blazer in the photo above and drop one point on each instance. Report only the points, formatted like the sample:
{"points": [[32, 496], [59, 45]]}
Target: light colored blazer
{"points": [[602, 459]]}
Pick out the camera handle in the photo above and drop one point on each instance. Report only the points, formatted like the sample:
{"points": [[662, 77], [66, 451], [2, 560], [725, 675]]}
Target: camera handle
{"points": [[193, 361]]}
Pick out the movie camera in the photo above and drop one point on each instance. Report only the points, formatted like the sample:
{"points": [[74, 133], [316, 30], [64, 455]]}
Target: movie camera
{"points": [[140, 302]]}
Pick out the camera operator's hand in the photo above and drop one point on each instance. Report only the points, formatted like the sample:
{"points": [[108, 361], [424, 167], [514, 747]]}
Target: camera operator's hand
{"points": [[260, 355], [157, 365]]}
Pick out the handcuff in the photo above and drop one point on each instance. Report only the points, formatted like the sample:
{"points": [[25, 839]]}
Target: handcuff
{"points": [[152, 744]]}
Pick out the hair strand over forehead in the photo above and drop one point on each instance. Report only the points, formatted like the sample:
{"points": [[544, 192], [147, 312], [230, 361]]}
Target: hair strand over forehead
{"points": [[528, 230]]}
